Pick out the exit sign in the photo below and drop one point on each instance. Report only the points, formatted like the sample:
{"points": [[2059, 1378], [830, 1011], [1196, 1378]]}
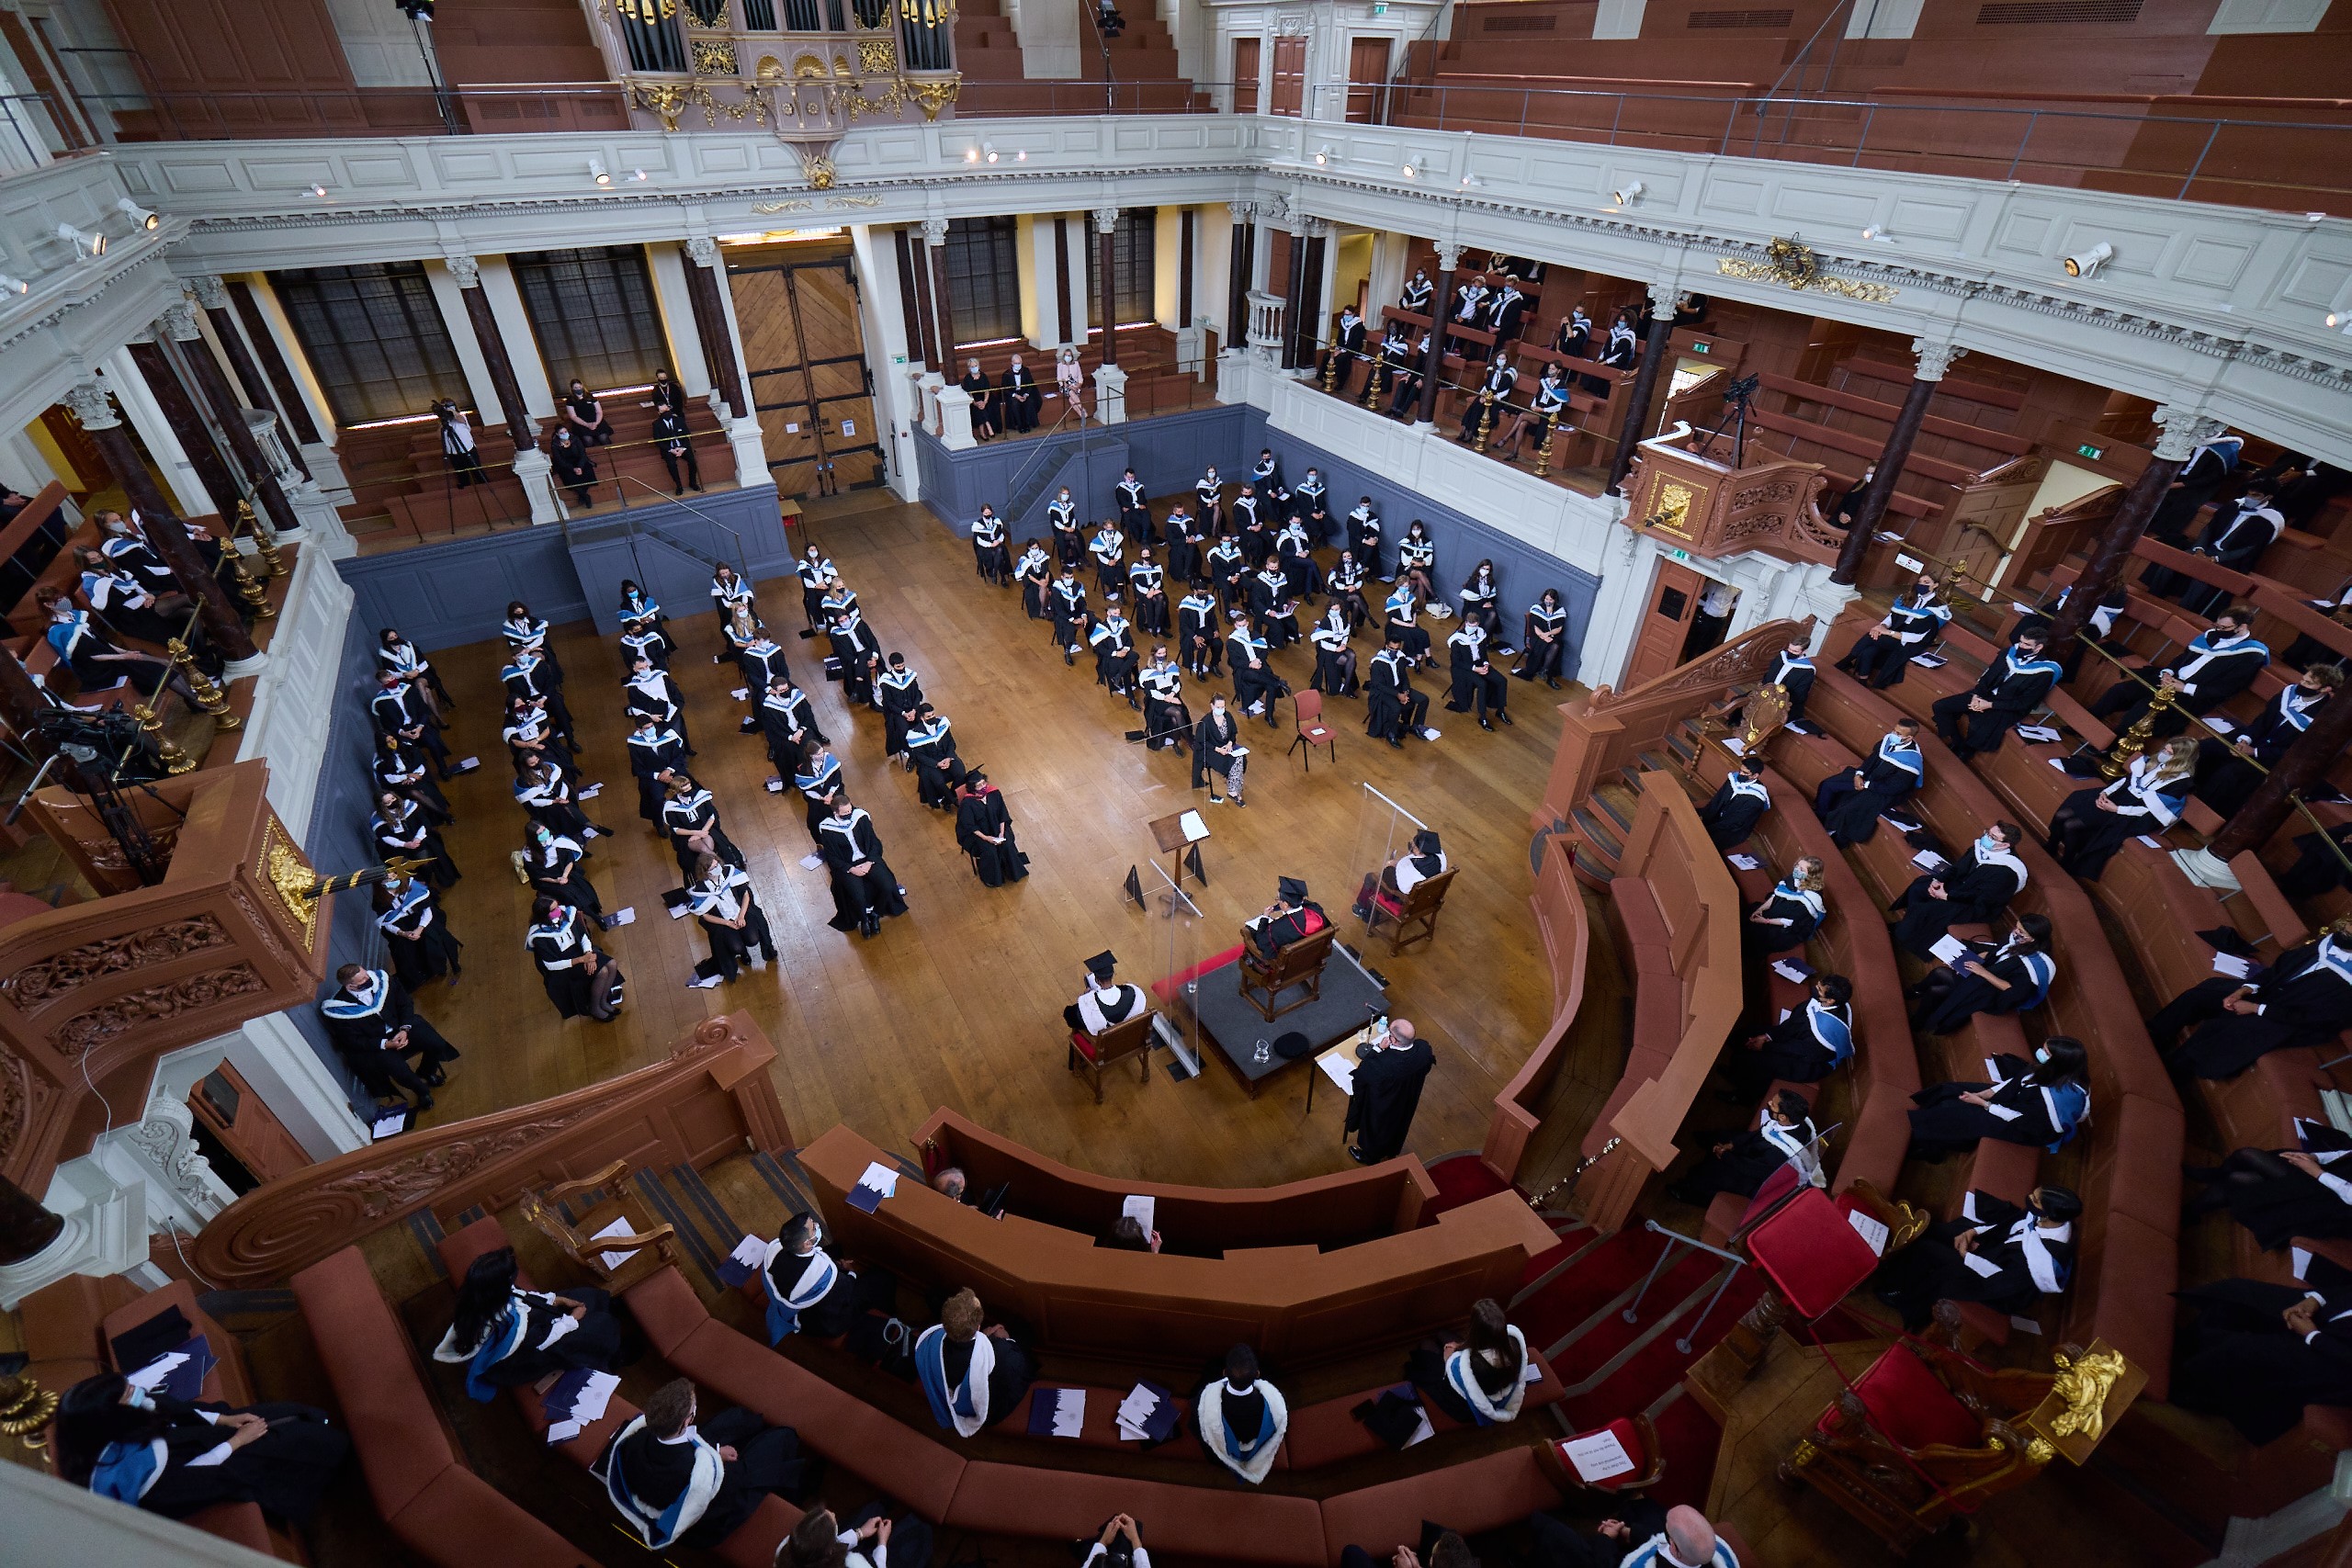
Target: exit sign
{"points": [[1381, 9], [1702, 348], [2093, 452], [1680, 554]]}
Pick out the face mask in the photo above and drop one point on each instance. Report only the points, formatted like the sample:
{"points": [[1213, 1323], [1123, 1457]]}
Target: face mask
{"points": [[2041, 1055], [138, 1399], [1989, 844]]}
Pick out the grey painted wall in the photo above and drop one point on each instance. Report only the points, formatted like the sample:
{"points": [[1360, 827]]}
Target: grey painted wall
{"points": [[1170, 451]]}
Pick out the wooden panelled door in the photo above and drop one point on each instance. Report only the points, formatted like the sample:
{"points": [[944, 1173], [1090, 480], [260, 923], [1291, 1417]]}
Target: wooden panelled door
{"points": [[1657, 647], [1246, 54], [1367, 79], [805, 345], [230, 1114], [1289, 76]]}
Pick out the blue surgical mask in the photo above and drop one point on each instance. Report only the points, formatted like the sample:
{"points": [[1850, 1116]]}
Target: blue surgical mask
{"points": [[1989, 844], [2041, 1055], [138, 1399]]}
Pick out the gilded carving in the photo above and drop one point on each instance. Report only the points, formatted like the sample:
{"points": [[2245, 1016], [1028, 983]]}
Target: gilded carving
{"points": [[2084, 1383], [85, 1032], [714, 57], [934, 93], [61, 974], [1671, 508], [282, 869], [876, 56], [774, 207], [1844, 287]]}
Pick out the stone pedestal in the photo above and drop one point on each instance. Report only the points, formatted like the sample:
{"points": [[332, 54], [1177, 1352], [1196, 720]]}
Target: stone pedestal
{"points": [[956, 420], [322, 524], [1110, 394], [295, 696], [1192, 349], [750, 452], [534, 470]]}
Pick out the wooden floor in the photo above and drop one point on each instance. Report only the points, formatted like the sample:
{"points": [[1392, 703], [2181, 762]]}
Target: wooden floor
{"points": [[958, 1003]]}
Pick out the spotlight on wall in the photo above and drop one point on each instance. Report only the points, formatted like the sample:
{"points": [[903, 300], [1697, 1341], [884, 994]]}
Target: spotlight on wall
{"points": [[140, 217], [598, 172], [988, 150], [637, 177], [319, 191], [1408, 171], [2083, 263], [84, 244], [971, 154], [14, 285], [1322, 156], [1471, 182], [1878, 235], [1630, 194], [2339, 320]]}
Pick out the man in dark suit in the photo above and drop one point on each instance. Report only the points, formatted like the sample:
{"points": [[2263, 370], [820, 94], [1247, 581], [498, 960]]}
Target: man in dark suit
{"points": [[1390, 1070]]}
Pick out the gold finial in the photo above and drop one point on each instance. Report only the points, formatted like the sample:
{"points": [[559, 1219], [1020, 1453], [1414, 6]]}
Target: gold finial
{"points": [[2084, 1383]]}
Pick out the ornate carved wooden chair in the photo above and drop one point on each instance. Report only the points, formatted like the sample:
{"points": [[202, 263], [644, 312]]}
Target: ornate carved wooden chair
{"points": [[1924, 1432], [1089, 1053], [1298, 966], [1411, 919], [615, 1262]]}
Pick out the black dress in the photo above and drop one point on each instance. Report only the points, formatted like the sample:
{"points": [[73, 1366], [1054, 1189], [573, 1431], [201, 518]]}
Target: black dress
{"points": [[982, 811]]}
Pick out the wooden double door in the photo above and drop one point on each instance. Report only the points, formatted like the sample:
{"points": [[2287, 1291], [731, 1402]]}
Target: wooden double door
{"points": [[804, 342]]}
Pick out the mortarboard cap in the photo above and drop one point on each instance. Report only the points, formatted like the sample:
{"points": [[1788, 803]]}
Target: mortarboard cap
{"points": [[1103, 963], [1292, 890]]}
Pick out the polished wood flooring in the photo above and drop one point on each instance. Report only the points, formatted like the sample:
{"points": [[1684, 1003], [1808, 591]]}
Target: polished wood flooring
{"points": [[958, 1003]]}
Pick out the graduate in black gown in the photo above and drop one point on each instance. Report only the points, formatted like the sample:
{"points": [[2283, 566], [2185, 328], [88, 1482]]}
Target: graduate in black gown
{"points": [[2011, 976], [859, 652], [865, 892], [176, 1458], [1977, 720], [2303, 999], [1850, 804], [2040, 1101], [2217, 665], [983, 831], [1544, 640], [675, 1481], [819, 784], [1732, 813], [506, 1336], [2228, 772], [1809, 1044], [552, 860], [931, 747], [567, 961], [1335, 661], [1167, 721], [546, 797], [1390, 1071], [1907, 630], [723, 904], [2090, 825], [2280, 1195], [2006, 1257], [2256, 1353], [1783, 1131], [1034, 571], [1478, 1380], [1220, 761], [399, 829], [899, 691], [690, 817], [416, 933], [1791, 913], [788, 725], [1065, 601], [656, 754], [1393, 709], [1971, 892], [375, 1026]]}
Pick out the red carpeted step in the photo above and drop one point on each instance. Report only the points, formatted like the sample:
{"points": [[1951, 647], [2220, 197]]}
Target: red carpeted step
{"points": [[1659, 1365], [1614, 1267], [1573, 1239], [1689, 1439], [1461, 1179], [1609, 1333]]}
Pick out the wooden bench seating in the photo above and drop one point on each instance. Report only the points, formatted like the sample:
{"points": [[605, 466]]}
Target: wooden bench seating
{"points": [[423, 1491]]}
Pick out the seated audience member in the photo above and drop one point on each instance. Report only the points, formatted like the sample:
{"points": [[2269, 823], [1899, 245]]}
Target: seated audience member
{"points": [[867, 1539], [373, 1022], [1641, 1535], [2040, 1101], [2011, 975], [972, 1377], [2279, 1195], [1850, 804], [1292, 916], [1789, 917], [1128, 1236], [2256, 1353], [1119, 1545], [584, 417], [2217, 665], [572, 464], [1242, 1416], [2090, 825], [1995, 1253], [2232, 537], [1420, 860], [1731, 814], [174, 1458], [1393, 709], [983, 831], [2304, 998], [1807, 1046], [1220, 761], [673, 1482], [1546, 640], [1976, 721], [2323, 863], [1450, 1551], [1907, 630], [808, 1292], [1971, 892], [1783, 1131], [950, 1182], [1478, 1379], [2228, 772], [505, 1336], [1106, 1002], [1793, 671]]}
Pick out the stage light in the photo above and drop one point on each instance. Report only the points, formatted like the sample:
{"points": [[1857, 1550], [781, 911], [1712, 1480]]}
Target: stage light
{"points": [[140, 217], [319, 191], [1873, 233], [1631, 194], [1322, 156], [2083, 263], [1408, 171], [84, 244], [971, 154], [988, 150], [637, 177], [1470, 182], [14, 285], [598, 172]]}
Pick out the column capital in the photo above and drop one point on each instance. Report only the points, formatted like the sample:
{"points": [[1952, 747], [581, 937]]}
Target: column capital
{"points": [[178, 322], [1664, 292], [92, 405], [1449, 257], [935, 230], [1106, 219], [703, 251], [2184, 430], [465, 269], [209, 291], [1307, 228], [1934, 358], [1241, 212]]}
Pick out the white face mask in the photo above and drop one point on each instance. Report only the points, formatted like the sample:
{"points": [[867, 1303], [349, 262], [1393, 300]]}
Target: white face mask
{"points": [[2041, 1055]]}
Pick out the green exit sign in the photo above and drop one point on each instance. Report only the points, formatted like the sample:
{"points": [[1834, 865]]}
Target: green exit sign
{"points": [[2093, 452], [1680, 554], [1702, 348], [1381, 9]]}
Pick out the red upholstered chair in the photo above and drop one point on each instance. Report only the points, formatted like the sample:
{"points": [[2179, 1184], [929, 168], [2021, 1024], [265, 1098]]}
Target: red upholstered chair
{"points": [[1089, 1053], [1639, 1437], [1312, 730], [1413, 919], [1922, 1431]]}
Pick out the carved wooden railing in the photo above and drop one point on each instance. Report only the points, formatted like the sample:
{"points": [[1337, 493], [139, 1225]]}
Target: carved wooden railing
{"points": [[1560, 921], [92, 993], [1608, 730], [711, 1098], [1690, 496]]}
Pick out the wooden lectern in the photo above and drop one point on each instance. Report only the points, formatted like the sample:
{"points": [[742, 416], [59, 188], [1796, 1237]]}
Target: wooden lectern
{"points": [[1689, 500]]}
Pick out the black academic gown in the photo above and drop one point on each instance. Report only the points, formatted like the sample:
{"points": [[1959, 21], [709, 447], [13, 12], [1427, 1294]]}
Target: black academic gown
{"points": [[1387, 1092], [2239, 1360], [2277, 1203], [1940, 1117], [563, 952], [767, 1459], [1932, 1270], [1850, 811], [283, 1472], [1730, 815], [1972, 893], [985, 812], [857, 898], [2304, 1003]]}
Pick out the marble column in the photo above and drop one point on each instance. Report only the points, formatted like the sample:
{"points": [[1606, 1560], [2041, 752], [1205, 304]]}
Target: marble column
{"points": [[1934, 359], [181, 413], [2183, 430], [213, 294], [467, 271], [1449, 263], [179, 322], [934, 269], [1637, 407]]}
